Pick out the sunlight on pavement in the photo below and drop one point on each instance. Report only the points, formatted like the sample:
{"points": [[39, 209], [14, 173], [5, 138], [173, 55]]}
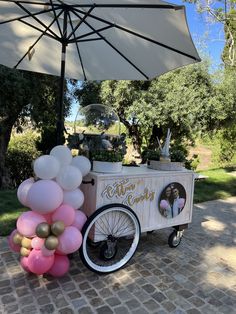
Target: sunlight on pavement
{"points": [[213, 225], [221, 263]]}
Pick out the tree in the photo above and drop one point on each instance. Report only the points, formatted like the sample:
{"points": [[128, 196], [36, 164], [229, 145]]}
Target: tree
{"points": [[224, 12], [180, 99], [24, 95]]}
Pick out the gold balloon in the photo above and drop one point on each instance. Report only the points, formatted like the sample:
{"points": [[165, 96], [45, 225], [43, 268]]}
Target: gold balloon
{"points": [[43, 230], [17, 238], [58, 227], [51, 243], [26, 243], [24, 251]]}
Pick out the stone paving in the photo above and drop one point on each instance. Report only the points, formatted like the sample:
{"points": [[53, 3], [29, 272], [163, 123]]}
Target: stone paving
{"points": [[197, 277]]}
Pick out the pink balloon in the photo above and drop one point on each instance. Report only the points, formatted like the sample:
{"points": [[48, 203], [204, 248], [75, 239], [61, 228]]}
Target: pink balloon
{"points": [[47, 252], [70, 240], [80, 219], [38, 263], [27, 223], [60, 267], [23, 190], [64, 213], [48, 217], [37, 243], [45, 196], [24, 263], [14, 247], [57, 252]]}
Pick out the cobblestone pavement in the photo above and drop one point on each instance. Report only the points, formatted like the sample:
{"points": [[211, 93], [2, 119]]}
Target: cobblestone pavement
{"points": [[197, 277]]}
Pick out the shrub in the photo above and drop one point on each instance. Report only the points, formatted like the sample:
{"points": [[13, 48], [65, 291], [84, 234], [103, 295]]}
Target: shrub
{"points": [[106, 155], [20, 155]]}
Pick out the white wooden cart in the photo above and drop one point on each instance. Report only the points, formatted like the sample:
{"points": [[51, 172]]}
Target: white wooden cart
{"points": [[120, 206]]}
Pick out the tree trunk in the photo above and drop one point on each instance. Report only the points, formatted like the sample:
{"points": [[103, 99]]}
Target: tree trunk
{"points": [[5, 134], [134, 134]]}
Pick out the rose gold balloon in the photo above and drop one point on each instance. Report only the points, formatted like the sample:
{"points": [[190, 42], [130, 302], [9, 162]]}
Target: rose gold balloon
{"points": [[24, 251], [51, 243], [58, 227], [43, 230], [17, 238], [26, 243]]}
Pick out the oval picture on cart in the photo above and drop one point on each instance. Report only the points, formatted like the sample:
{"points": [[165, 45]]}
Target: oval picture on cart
{"points": [[172, 200]]}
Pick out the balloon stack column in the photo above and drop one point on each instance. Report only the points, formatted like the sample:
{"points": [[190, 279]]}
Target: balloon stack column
{"points": [[50, 230]]}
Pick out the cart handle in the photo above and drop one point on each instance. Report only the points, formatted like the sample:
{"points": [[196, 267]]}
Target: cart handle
{"points": [[89, 182]]}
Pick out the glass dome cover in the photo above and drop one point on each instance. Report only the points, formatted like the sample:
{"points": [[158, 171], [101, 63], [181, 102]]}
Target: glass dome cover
{"points": [[97, 119]]}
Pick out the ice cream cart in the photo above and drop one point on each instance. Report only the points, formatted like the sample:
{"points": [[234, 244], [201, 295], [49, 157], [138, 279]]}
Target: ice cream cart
{"points": [[121, 206]]}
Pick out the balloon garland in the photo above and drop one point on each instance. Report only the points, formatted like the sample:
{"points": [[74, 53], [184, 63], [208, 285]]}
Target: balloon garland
{"points": [[51, 230]]}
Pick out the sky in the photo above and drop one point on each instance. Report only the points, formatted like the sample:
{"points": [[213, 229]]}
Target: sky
{"points": [[207, 39]]}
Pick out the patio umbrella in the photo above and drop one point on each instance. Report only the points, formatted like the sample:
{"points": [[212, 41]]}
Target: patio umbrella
{"points": [[95, 39]]}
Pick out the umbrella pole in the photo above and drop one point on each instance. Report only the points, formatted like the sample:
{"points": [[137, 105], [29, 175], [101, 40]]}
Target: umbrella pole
{"points": [[60, 108]]}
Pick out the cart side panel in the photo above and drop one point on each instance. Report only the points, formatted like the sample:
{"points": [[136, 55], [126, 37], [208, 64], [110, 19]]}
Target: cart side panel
{"points": [[143, 196]]}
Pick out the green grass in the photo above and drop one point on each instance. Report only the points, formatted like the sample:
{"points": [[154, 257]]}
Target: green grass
{"points": [[10, 209], [220, 185]]}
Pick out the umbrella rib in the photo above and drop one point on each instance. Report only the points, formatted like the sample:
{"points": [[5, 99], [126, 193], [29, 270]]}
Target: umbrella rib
{"points": [[89, 39], [54, 12], [111, 45], [80, 22], [78, 51], [36, 19], [40, 30], [140, 36], [88, 34], [25, 16], [38, 39]]}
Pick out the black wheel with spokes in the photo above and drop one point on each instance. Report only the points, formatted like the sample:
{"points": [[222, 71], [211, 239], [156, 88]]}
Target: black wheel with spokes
{"points": [[117, 230]]}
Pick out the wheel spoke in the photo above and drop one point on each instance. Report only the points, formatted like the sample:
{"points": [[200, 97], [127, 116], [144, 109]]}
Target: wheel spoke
{"points": [[118, 221]]}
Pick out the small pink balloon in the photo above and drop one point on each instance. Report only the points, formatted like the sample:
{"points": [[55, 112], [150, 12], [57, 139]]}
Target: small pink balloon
{"points": [[38, 263], [14, 247], [23, 190], [48, 218], [37, 243], [27, 223], [70, 240], [24, 263], [47, 252], [60, 267], [45, 196], [64, 213], [57, 252], [80, 219]]}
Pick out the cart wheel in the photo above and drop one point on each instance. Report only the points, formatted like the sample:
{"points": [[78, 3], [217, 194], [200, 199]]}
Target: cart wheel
{"points": [[117, 229], [175, 238]]}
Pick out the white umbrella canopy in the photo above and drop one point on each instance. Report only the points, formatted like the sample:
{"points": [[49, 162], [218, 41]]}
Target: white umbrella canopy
{"points": [[94, 40], [102, 39]]}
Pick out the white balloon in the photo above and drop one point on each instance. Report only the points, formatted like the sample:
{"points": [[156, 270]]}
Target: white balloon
{"points": [[46, 167], [62, 153], [73, 198], [45, 196], [83, 163], [69, 177], [23, 189]]}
